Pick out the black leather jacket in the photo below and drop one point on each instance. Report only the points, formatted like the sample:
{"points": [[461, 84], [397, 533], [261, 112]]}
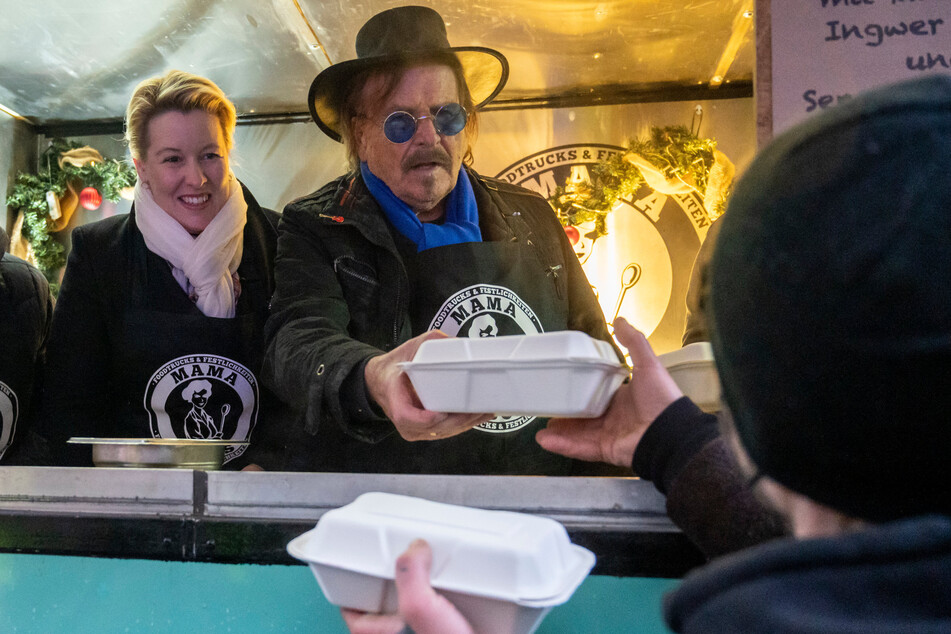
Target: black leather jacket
{"points": [[342, 293]]}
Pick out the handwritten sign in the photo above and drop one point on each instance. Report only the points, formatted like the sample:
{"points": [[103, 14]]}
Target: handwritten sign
{"points": [[824, 51]]}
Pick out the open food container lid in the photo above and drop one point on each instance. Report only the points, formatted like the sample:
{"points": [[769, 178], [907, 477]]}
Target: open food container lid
{"points": [[700, 352], [694, 371], [514, 557], [565, 373]]}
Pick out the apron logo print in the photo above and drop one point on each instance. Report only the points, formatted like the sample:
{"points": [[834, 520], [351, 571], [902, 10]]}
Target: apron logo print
{"points": [[659, 234], [198, 422], [486, 310], [485, 306], [9, 411], [203, 396], [483, 326]]}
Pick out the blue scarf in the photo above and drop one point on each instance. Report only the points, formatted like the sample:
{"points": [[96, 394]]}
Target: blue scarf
{"points": [[461, 220]]}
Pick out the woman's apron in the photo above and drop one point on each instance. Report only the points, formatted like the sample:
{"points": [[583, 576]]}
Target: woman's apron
{"points": [[482, 289], [183, 374]]}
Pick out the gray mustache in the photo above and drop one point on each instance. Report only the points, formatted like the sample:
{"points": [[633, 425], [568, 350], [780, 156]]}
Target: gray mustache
{"points": [[428, 155]]}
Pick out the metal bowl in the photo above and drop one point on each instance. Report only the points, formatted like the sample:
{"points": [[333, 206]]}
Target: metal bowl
{"points": [[157, 453]]}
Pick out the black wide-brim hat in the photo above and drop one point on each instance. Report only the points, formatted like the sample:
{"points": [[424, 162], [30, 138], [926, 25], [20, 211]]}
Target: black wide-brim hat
{"points": [[403, 33]]}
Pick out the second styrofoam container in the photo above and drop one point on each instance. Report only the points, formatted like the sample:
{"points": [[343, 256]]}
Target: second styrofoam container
{"points": [[566, 373], [504, 571], [693, 370]]}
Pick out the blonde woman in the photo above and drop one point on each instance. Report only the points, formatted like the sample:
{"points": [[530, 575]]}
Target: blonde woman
{"points": [[175, 291]]}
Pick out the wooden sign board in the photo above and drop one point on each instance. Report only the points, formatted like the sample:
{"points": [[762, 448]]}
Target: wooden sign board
{"points": [[823, 51]]}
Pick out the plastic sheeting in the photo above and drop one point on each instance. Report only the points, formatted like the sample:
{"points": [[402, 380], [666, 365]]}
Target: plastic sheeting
{"points": [[67, 61]]}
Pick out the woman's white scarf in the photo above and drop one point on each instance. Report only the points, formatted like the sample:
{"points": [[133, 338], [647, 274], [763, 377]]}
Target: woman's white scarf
{"points": [[205, 262]]}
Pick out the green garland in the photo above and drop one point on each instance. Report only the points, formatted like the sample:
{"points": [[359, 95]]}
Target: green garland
{"points": [[110, 177], [674, 150]]}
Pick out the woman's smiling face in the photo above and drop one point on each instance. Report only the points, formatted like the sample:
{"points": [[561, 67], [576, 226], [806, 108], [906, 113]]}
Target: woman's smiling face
{"points": [[186, 166]]}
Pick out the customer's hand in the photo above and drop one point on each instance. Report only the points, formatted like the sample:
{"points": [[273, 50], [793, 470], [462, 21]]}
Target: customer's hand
{"points": [[390, 388], [420, 607], [614, 436]]}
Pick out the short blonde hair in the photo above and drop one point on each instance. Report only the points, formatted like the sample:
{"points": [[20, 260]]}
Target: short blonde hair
{"points": [[175, 91]]}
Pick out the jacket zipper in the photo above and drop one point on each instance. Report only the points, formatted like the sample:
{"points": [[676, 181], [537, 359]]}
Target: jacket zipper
{"points": [[396, 315], [362, 278]]}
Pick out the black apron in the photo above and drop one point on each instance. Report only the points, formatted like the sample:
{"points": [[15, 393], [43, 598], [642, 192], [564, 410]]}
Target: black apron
{"points": [[482, 289], [183, 374]]}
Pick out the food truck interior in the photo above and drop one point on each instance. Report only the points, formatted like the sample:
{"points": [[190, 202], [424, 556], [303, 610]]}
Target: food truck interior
{"points": [[588, 79]]}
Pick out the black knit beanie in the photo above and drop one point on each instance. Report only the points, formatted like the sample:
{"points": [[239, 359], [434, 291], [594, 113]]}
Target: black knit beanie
{"points": [[831, 304]]}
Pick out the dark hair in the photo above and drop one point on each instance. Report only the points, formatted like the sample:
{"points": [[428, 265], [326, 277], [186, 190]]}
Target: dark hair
{"points": [[391, 73]]}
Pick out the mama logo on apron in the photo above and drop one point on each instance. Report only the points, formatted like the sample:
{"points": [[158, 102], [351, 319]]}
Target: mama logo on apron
{"points": [[487, 310], [203, 396], [641, 269]]}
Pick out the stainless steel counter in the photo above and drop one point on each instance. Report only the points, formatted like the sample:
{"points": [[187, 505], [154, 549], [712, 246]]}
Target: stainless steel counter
{"points": [[250, 517]]}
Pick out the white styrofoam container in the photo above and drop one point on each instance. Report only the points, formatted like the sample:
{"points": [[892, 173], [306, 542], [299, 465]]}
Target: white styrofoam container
{"points": [[694, 372], [566, 373], [504, 571]]}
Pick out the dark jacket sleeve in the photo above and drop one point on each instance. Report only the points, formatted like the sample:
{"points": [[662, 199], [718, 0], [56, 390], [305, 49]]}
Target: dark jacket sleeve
{"points": [[75, 394], [685, 457], [309, 352], [26, 308]]}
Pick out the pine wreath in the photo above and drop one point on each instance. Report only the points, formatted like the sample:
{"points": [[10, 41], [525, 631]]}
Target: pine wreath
{"points": [[29, 196], [672, 155]]}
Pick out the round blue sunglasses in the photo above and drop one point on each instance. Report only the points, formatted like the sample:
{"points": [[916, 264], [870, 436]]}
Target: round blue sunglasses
{"points": [[449, 120]]}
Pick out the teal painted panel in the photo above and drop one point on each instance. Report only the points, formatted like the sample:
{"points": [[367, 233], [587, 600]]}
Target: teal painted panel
{"points": [[80, 595]]}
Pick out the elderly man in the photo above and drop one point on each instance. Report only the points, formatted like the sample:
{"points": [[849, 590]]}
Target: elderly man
{"points": [[412, 241], [831, 307]]}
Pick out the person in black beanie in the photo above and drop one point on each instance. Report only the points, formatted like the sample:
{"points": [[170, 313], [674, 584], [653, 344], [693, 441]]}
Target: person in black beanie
{"points": [[831, 328], [26, 309], [831, 308]]}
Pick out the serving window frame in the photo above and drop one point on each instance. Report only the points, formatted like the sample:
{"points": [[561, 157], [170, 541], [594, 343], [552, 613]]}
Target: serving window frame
{"points": [[240, 517]]}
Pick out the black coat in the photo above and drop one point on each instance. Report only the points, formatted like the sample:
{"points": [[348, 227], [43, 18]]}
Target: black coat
{"points": [[342, 297], [881, 579], [111, 275], [26, 308]]}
